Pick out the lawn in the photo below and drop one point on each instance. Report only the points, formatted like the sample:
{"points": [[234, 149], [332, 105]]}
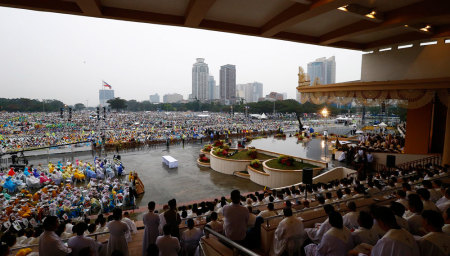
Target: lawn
{"points": [[242, 155], [296, 165]]}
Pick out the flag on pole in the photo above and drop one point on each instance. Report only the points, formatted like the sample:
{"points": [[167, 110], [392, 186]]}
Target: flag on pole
{"points": [[105, 84]]}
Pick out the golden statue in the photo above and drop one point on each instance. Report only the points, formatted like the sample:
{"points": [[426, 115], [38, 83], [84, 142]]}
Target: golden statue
{"points": [[316, 81], [303, 79]]}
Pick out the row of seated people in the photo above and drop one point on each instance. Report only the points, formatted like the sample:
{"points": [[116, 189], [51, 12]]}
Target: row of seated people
{"points": [[330, 192]]}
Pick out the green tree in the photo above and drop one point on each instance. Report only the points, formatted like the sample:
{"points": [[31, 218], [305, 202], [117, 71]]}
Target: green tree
{"points": [[117, 103], [79, 106]]}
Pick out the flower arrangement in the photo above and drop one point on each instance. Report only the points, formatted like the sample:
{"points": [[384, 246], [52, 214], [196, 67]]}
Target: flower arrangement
{"points": [[280, 135], [221, 152], [285, 160], [207, 148], [300, 137], [255, 163], [226, 147], [218, 143], [248, 138], [203, 158], [252, 153]]}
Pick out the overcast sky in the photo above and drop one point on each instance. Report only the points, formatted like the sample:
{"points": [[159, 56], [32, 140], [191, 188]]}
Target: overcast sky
{"points": [[56, 56]]}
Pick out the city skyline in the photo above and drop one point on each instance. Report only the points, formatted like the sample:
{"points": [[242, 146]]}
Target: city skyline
{"points": [[65, 57]]}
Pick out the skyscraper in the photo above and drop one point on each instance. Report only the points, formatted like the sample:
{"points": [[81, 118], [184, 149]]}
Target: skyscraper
{"points": [[228, 84], [324, 69], [105, 95], [211, 88], [200, 74], [257, 91], [154, 98]]}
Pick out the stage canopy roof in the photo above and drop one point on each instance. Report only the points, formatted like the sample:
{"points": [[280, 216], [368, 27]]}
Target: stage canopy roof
{"points": [[351, 24]]}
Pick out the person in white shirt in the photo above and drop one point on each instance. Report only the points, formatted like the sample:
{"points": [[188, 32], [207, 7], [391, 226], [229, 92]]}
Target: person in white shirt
{"points": [[130, 223], [215, 224], [436, 242], [151, 222], [79, 242], [434, 195], [401, 198], [118, 230], [399, 210], [396, 241], [190, 238], [162, 220], [336, 242], [415, 206], [289, 234], [351, 218], [49, 243], [236, 218], [316, 233], [167, 244], [269, 212], [364, 234], [427, 203], [445, 202]]}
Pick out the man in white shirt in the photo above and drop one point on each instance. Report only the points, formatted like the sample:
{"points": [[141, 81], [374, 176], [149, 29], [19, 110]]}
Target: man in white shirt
{"points": [[236, 218], [289, 234], [427, 203], [129, 222], [215, 224], [79, 242], [269, 212], [316, 233], [399, 210], [351, 218], [167, 244], [436, 242], [401, 198], [396, 241], [415, 220], [49, 243], [434, 195], [444, 203], [151, 222], [364, 234], [190, 238]]}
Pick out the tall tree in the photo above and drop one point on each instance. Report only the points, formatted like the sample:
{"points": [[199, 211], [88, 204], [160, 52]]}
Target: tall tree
{"points": [[117, 103]]}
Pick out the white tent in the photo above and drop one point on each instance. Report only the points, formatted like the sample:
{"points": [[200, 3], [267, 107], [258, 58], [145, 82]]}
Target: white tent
{"points": [[263, 116], [359, 132], [382, 125]]}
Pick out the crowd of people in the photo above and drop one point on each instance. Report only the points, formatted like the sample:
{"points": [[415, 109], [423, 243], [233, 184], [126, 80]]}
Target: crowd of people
{"points": [[22, 131], [415, 222], [382, 142]]}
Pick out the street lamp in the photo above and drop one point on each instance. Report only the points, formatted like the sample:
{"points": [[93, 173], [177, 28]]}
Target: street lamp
{"points": [[325, 114]]}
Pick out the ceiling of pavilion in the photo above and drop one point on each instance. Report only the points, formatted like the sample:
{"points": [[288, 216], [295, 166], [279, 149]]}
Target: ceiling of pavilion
{"points": [[351, 24]]}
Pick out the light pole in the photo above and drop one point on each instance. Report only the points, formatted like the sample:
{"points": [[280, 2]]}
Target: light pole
{"points": [[325, 114]]}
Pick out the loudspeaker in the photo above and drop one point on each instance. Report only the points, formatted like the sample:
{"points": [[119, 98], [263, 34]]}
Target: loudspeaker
{"points": [[390, 161], [307, 176]]}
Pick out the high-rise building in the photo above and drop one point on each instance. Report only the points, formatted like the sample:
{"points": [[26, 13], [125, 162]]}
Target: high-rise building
{"points": [[257, 91], [228, 84], [250, 92], [284, 95], [211, 88], [324, 69], [172, 98], [200, 75], [105, 95], [217, 92], [154, 98]]}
